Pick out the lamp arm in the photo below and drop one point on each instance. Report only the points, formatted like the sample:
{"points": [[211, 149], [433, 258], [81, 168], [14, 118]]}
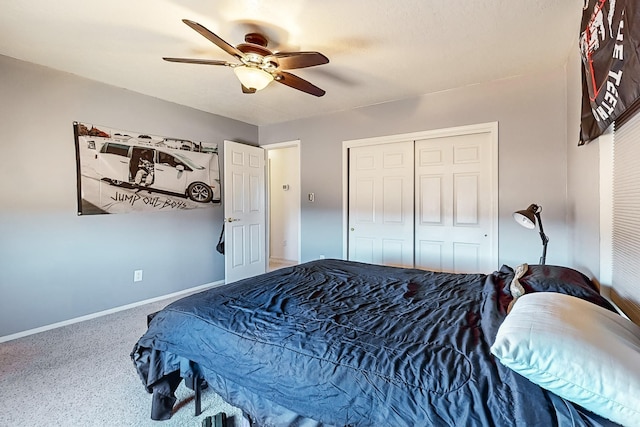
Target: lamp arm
{"points": [[544, 238]]}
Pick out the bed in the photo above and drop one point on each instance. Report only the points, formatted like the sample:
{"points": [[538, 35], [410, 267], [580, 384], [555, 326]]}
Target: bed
{"points": [[340, 343]]}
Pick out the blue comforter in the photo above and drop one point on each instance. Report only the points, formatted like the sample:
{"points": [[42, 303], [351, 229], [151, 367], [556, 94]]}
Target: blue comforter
{"points": [[341, 343]]}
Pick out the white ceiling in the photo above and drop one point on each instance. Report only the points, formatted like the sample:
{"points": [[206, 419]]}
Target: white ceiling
{"points": [[379, 50]]}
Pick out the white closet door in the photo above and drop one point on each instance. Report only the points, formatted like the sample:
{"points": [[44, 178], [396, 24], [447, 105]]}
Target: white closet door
{"points": [[381, 204], [454, 204]]}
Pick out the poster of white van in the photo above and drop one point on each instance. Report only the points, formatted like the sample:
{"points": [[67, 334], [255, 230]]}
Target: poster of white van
{"points": [[122, 171]]}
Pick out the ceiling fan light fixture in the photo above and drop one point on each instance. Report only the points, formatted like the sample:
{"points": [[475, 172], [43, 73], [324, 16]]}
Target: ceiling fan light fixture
{"points": [[258, 65], [252, 77]]}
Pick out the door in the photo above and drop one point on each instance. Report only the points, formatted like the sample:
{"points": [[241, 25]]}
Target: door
{"points": [[449, 223], [381, 204], [454, 214], [170, 173], [114, 163], [244, 211]]}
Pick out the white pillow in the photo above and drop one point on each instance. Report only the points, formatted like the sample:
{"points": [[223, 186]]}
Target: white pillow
{"points": [[577, 350]]}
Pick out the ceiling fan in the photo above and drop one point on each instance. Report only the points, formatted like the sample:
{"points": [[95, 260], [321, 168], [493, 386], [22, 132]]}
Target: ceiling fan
{"points": [[259, 66]]}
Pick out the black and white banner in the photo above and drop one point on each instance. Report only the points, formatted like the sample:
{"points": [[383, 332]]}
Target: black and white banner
{"points": [[609, 41], [121, 171]]}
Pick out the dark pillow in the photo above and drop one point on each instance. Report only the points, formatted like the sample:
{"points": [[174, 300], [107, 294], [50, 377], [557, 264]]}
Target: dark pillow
{"points": [[563, 280], [541, 277]]}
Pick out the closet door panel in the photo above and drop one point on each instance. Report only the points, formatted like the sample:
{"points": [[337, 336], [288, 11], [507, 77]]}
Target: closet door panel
{"points": [[381, 204], [460, 165]]}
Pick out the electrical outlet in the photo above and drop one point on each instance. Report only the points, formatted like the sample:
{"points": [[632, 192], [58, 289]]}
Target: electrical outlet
{"points": [[321, 256], [137, 276]]}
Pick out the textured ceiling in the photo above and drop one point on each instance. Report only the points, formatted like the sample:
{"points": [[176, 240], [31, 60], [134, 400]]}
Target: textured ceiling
{"points": [[379, 50]]}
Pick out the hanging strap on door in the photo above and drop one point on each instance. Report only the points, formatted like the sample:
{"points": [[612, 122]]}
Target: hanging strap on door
{"points": [[220, 245]]}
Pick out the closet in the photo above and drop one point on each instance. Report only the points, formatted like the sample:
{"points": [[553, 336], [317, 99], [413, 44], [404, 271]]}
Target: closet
{"points": [[425, 200]]}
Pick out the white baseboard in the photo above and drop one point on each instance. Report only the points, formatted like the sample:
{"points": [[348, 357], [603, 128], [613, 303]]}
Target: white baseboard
{"points": [[109, 311]]}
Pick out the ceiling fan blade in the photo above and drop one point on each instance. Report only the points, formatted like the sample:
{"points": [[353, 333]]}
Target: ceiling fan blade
{"points": [[296, 82], [247, 90], [231, 50], [291, 60], [199, 61]]}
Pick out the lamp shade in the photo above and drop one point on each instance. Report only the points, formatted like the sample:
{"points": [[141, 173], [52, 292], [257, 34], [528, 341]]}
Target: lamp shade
{"points": [[527, 217], [253, 78]]}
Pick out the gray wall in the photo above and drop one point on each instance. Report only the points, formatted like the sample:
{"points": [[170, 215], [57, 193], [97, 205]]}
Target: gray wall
{"points": [[583, 181], [532, 116], [55, 265]]}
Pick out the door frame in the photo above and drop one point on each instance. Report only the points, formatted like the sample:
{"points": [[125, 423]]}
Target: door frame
{"points": [[490, 127], [277, 146]]}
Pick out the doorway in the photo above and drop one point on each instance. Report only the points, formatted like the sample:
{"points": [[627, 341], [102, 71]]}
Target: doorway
{"points": [[283, 192]]}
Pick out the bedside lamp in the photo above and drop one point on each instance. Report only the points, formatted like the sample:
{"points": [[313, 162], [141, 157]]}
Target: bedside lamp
{"points": [[527, 218]]}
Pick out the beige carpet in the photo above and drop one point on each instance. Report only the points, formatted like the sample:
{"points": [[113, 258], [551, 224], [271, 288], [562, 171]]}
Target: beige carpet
{"points": [[82, 375]]}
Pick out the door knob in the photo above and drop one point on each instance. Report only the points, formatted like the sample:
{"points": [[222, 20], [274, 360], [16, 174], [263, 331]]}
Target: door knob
{"points": [[232, 220]]}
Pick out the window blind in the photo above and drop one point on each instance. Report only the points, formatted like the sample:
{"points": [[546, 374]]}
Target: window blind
{"points": [[625, 262]]}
